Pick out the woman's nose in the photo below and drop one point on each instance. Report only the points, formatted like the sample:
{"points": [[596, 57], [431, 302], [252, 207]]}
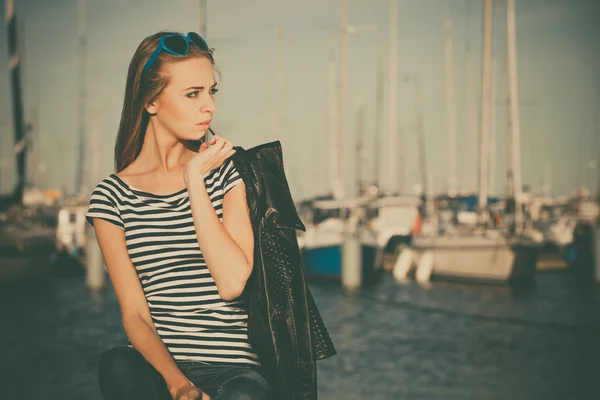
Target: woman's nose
{"points": [[208, 105]]}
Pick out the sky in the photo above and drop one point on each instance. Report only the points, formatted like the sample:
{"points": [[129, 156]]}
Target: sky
{"points": [[558, 63]]}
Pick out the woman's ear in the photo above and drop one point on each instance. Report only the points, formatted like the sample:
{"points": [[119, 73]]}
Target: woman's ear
{"points": [[152, 108]]}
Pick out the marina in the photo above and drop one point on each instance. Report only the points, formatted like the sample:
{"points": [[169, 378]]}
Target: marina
{"points": [[441, 267], [448, 341]]}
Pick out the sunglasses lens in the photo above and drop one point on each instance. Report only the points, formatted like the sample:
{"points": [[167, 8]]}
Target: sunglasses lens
{"points": [[198, 41], [176, 44]]}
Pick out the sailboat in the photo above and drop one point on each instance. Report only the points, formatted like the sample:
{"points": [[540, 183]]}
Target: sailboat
{"points": [[331, 220], [322, 245], [27, 241], [486, 254]]}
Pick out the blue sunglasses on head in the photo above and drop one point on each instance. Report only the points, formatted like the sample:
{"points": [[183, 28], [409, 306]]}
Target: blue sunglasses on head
{"points": [[176, 44]]}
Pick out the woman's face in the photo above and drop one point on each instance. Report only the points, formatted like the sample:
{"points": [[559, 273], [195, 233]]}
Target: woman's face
{"points": [[186, 105]]}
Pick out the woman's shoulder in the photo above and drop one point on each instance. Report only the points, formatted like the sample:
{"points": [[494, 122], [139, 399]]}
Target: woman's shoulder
{"points": [[110, 187], [109, 180], [105, 202]]}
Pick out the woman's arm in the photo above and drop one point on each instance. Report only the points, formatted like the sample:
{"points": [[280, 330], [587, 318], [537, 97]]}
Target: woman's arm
{"points": [[228, 247], [134, 308]]}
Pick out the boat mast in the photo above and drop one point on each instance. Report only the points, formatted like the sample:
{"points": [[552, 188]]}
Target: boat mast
{"points": [[81, 178], [486, 103], [4, 159], [202, 18], [343, 98], [17, 100], [393, 101], [94, 135], [334, 130], [471, 121], [492, 166], [280, 79], [359, 179], [378, 119], [450, 118], [514, 121], [422, 161]]}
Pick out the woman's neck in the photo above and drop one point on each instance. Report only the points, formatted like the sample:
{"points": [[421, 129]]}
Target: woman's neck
{"points": [[161, 151]]}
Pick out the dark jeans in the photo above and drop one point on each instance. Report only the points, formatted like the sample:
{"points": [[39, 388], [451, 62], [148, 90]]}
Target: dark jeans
{"points": [[126, 375]]}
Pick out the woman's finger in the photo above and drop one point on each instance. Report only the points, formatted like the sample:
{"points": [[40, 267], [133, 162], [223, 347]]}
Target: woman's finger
{"points": [[231, 152], [193, 395], [223, 155], [219, 141], [214, 150], [227, 146]]}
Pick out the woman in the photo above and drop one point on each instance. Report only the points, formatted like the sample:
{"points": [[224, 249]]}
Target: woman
{"points": [[176, 235]]}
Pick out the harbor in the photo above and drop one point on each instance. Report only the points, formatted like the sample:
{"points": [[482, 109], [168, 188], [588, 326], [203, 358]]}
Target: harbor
{"points": [[449, 341], [449, 198]]}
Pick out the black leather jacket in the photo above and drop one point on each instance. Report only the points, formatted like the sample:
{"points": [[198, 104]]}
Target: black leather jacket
{"points": [[284, 325]]}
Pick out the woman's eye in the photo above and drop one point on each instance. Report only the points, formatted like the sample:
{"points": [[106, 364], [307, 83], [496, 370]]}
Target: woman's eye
{"points": [[214, 90], [192, 94]]}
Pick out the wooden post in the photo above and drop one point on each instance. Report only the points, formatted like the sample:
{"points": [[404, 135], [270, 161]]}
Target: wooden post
{"points": [[597, 252], [351, 252], [95, 277]]}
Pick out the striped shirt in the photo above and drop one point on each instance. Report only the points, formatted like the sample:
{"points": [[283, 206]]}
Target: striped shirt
{"points": [[191, 318]]}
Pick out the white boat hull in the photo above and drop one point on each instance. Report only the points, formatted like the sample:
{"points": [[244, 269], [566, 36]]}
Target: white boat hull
{"points": [[479, 258]]}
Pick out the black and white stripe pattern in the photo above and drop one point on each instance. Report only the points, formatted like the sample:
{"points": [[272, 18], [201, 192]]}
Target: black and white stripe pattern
{"points": [[190, 316]]}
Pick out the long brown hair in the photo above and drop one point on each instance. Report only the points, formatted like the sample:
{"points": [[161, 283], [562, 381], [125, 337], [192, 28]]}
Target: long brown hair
{"points": [[142, 89]]}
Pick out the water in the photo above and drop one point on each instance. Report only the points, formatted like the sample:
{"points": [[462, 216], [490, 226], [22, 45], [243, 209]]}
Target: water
{"points": [[448, 341]]}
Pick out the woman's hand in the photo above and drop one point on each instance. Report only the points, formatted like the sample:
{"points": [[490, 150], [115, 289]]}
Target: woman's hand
{"points": [[208, 158], [190, 392]]}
